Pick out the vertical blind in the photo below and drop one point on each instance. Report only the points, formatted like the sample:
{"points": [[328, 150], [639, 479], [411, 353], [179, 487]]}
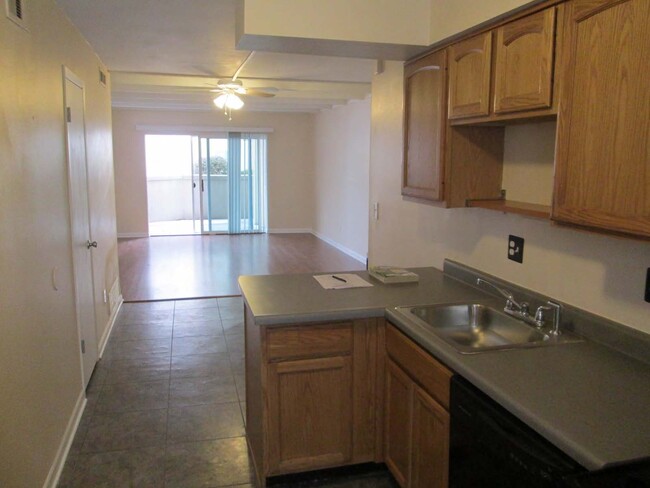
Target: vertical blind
{"points": [[247, 183]]}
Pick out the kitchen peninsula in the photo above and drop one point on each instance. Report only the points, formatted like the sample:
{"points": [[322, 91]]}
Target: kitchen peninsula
{"points": [[316, 373]]}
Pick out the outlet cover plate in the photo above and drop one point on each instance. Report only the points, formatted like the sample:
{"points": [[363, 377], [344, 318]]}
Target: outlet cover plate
{"points": [[516, 248]]}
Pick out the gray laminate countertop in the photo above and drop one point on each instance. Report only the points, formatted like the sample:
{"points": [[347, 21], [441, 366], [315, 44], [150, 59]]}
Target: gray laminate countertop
{"points": [[296, 298], [590, 401]]}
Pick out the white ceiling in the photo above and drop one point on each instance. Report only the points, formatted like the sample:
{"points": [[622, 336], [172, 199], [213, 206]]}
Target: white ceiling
{"points": [[167, 53]]}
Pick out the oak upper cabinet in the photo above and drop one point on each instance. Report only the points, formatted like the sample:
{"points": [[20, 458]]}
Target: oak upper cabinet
{"points": [[602, 168], [416, 422], [469, 77], [523, 70], [425, 120]]}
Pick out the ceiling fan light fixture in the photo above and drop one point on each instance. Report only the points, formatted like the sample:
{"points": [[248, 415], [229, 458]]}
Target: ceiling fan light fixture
{"points": [[228, 101]]}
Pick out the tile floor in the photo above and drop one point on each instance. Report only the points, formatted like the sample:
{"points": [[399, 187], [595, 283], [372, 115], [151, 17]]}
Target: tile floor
{"points": [[166, 404]]}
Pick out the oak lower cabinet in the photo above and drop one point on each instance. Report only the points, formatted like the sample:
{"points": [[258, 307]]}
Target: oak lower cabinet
{"points": [[310, 413], [602, 167], [416, 428], [311, 394], [398, 422]]}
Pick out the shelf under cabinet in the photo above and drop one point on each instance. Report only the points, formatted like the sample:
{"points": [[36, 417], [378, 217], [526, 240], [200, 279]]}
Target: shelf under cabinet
{"points": [[511, 206]]}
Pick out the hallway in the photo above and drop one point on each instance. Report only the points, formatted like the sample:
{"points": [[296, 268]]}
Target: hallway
{"points": [[165, 402], [166, 405]]}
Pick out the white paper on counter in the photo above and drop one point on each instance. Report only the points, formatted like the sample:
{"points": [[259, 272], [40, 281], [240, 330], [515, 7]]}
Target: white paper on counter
{"points": [[328, 281]]}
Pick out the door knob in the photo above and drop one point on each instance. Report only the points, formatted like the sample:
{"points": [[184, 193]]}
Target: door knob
{"points": [[90, 244]]}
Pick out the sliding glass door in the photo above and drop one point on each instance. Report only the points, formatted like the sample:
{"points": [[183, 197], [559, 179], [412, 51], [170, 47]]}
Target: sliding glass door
{"points": [[172, 196], [232, 183], [247, 188], [196, 186], [214, 184]]}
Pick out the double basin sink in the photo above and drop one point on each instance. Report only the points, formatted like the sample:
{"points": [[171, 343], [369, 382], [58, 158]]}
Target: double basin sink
{"points": [[475, 327]]}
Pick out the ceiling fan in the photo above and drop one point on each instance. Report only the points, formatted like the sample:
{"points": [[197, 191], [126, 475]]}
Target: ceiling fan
{"points": [[229, 91]]}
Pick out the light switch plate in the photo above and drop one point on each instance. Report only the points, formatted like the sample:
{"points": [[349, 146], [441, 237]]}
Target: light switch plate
{"points": [[516, 248]]}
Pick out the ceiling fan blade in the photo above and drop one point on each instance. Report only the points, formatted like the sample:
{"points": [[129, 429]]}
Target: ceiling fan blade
{"points": [[256, 92]]}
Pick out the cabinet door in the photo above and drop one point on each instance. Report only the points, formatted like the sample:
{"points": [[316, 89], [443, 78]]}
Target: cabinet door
{"points": [[397, 430], [425, 120], [469, 77], [602, 169], [309, 414], [430, 443], [524, 63]]}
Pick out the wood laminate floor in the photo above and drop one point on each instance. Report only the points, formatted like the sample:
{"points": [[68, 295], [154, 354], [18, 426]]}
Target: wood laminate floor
{"points": [[177, 267]]}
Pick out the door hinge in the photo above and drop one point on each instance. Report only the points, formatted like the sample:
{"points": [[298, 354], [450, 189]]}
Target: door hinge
{"points": [[68, 114], [83, 346]]}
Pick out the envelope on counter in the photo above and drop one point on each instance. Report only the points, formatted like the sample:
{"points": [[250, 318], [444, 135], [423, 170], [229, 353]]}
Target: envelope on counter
{"points": [[340, 281]]}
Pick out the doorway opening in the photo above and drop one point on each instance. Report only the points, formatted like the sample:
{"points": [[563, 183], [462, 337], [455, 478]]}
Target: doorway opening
{"points": [[171, 202], [206, 185]]}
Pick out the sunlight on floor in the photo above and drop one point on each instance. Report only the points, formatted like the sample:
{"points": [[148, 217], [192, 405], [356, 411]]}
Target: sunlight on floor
{"points": [[185, 227]]}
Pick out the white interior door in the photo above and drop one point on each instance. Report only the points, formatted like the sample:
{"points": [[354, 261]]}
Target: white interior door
{"points": [[82, 243]]}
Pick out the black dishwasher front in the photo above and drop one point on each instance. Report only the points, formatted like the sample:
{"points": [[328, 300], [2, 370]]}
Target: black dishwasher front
{"points": [[492, 448]]}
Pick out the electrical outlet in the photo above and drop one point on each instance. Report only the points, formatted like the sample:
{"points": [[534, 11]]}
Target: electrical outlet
{"points": [[647, 286], [375, 210], [516, 248]]}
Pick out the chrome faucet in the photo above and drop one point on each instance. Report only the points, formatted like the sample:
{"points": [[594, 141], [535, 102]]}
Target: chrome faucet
{"points": [[522, 310], [511, 304], [540, 319]]}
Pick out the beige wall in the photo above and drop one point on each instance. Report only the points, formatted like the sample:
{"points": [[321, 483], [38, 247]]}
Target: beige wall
{"points": [[382, 21], [449, 17], [342, 158], [39, 350], [599, 273], [415, 22], [290, 162]]}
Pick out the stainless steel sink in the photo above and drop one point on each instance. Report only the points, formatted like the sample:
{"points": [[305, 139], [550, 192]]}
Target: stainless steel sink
{"points": [[475, 327]]}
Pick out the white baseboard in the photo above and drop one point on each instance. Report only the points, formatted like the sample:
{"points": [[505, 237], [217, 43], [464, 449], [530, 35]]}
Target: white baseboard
{"points": [[107, 332], [64, 448], [135, 235], [343, 249], [290, 231]]}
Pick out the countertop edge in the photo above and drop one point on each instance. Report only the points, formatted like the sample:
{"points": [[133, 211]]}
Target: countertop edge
{"points": [[278, 320]]}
